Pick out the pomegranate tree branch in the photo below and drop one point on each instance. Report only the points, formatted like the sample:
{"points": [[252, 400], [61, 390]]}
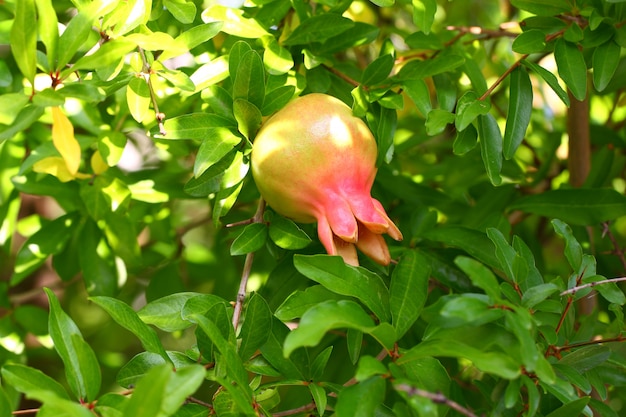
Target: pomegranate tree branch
{"points": [[592, 284], [247, 268], [436, 397]]}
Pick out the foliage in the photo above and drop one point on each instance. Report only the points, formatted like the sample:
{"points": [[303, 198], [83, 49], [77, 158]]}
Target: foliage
{"points": [[125, 132]]}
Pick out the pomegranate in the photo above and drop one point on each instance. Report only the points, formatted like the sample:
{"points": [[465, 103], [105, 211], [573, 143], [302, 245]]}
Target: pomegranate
{"points": [[314, 161]]}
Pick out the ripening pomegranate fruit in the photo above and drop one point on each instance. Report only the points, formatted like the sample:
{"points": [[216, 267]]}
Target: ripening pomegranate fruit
{"points": [[314, 161]]}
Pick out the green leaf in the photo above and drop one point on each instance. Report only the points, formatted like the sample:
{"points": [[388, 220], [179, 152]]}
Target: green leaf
{"points": [[575, 206], [572, 408], [496, 363], [29, 380], [530, 41], [128, 319], [491, 147], [140, 364], [286, 234], [162, 391], [232, 362], [408, 290], [369, 367], [437, 121], [26, 117], [49, 240], [469, 107], [184, 11], [24, 39], [109, 53], [165, 312], [276, 59], [550, 78], [121, 235], [318, 28], [378, 71], [465, 140], [443, 62], [424, 14], [277, 99], [327, 316], [359, 34], [248, 116], [468, 310], [196, 36], [97, 264], [194, 126], [300, 301], [48, 28], [293, 367], [138, 98], [475, 243], [573, 250], [219, 142], [249, 83], [319, 397], [256, 327], [234, 22], [505, 254], [210, 73], [572, 68], [535, 295], [76, 33], [587, 357], [81, 365], [605, 61], [251, 239], [334, 274], [480, 275], [361, 399], [541, 7], [417, 90], [519, 322], [520, 107], [211, 180]]}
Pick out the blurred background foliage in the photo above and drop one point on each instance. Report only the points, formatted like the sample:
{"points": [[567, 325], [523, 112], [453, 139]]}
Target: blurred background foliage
{"points": [[115, 180]]}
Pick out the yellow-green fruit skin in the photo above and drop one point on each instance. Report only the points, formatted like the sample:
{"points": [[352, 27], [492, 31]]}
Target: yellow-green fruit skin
{"points": [[310, 146]]}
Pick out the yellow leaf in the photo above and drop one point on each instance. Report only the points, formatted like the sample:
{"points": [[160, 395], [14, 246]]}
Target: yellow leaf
{"points": [[54, 165], [64, 140], [98, 165]]}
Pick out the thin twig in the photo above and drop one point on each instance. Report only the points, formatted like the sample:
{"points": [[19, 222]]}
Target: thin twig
{"points": [[199, 402], [617, 250], [570, 300], [298, 410], [592, 284], [147, 72], [437, 398], [477, 30], [589, 343], [247, 268], [342, 76], [24, 412]]}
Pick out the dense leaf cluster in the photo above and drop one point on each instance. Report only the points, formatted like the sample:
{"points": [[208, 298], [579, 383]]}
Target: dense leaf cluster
{"points": [[142, 276]]}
